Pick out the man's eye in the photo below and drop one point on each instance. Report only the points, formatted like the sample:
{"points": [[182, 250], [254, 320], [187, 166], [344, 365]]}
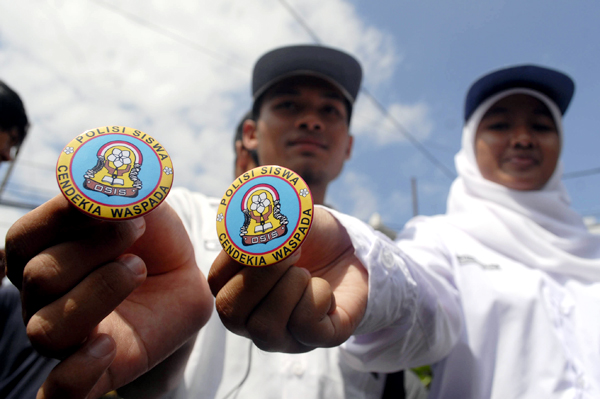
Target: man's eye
{"points": [[332, 111], [286, 105]]}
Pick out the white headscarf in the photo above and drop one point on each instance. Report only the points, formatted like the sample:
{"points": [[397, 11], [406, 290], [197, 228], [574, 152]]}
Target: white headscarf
{"points": [[536, 228]]}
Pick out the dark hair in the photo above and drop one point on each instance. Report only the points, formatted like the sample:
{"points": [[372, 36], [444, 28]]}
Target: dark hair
{"points": [[12, 111]]}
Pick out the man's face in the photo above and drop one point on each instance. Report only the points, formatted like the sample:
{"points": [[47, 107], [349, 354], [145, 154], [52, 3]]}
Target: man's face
{"points": [[303, 126], [8, 140], [517, 144]]}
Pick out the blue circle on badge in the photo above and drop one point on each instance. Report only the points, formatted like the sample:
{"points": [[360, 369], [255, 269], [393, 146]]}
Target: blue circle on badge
{"points": [[265, 211], [134, 167]]}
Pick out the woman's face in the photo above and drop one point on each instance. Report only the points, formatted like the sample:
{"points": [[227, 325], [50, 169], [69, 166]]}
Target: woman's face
{"points": [[517, 144]]}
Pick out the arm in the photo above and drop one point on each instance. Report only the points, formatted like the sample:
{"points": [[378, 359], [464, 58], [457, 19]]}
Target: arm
{"points": [[401, 314], [414, 315], [112, 300]]}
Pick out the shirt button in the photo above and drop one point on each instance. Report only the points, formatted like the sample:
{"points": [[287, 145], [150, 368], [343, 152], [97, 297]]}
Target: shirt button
{"points": [[565, 308], [387, 259], [298, 369]]}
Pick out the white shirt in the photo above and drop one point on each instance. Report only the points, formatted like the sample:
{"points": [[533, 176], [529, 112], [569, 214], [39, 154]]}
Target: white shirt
{"points": [[490, 326], [225, 365]]}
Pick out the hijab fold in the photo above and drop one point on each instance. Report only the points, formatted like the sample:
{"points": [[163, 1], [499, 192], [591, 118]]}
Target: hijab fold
{"points": [[536, 228]]}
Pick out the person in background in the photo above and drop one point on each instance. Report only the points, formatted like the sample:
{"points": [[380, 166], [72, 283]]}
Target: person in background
{"points": [[500, 295], [22, 369]]}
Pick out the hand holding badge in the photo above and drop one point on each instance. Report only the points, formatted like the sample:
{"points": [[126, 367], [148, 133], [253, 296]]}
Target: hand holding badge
{"points": [[264, 216]]}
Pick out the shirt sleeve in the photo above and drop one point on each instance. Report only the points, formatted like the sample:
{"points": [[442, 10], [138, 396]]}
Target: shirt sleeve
{"points": [[413, 314]]}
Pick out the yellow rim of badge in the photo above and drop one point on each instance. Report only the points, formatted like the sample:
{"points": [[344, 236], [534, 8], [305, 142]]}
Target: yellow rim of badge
{"points": [[114, 172], [264, 216]]}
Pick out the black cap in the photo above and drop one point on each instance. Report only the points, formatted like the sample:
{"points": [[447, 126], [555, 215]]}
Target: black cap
{"points": [[558, 86], [336, 67]]}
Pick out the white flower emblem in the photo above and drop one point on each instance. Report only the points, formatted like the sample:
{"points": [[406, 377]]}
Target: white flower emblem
{"points": [[304, 192], [169, 171], [260, 203], [220, 217], [68, 150], [119, 158]]}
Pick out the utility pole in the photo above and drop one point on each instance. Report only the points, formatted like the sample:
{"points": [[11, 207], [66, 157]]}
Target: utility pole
{"points": [[415, 202]]}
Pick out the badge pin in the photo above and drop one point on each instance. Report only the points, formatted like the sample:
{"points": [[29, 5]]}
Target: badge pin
{"points": [[264, 216], [114, 172]]}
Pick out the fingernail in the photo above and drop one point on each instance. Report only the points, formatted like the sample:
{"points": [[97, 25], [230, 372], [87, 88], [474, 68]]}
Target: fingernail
{"points": [[102, 346], [139, 223], [305, 271], [133, 263]]}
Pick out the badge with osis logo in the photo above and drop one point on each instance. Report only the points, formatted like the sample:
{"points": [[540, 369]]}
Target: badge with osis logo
{"points": [[114, 172], [264, 215]]}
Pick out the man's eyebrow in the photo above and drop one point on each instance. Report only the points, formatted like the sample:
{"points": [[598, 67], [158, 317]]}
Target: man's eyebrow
{"points": [[333, 95]]}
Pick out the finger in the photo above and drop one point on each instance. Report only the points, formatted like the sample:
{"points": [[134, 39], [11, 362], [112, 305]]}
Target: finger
{"points": [[59, 268], [54, 221], [65, 323], [238, 298], [76, 376], [267, 325], [222, 270], [316, 321], [165, 244]]}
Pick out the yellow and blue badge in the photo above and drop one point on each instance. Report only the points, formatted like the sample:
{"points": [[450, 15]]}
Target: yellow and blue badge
{"points": [[114, 172], [264, 215]]}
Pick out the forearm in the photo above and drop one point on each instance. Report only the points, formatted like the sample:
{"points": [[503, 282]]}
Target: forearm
{"points": [[413, 313]]}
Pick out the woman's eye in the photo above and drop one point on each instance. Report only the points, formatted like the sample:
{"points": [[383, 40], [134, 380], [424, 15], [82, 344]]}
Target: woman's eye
{"points": [[499, 126], [543, 127]]}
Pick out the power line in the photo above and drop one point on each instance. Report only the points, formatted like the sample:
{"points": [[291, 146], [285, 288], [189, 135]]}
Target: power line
{"points": [[581, 173], [301, 21], [37, 165], [175, 36], [409, 136], [25, 189], [15, 204], [420, 147]]}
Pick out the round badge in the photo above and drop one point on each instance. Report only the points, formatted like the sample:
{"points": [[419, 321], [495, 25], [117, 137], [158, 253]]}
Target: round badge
{"points": [[264, 216], [114, 172]]}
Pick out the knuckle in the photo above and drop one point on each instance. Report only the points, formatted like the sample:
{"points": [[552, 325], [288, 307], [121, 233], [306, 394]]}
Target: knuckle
{"points": [[266, 333], [41, 335], [232, 319], [111, 282], [40, 274]]}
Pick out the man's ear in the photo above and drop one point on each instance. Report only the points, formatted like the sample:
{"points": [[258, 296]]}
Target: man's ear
{"points": [[250, 134], [350, 144]]}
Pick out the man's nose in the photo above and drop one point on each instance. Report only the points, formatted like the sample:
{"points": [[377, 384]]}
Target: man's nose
{"points": [[310, 121]]}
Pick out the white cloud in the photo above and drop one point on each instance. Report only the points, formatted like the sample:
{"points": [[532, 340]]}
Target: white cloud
{"points": [[414, 119], [354, 191]]}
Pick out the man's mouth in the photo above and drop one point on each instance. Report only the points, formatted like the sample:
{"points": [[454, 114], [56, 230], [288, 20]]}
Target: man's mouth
{"points": [[307, 143]]}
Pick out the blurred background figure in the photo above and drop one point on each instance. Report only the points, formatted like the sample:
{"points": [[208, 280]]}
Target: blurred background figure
{"points": [[22, 369]]}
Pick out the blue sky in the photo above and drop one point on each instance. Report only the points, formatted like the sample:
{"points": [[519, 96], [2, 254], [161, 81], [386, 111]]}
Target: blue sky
{"points": [[180, 71]]}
